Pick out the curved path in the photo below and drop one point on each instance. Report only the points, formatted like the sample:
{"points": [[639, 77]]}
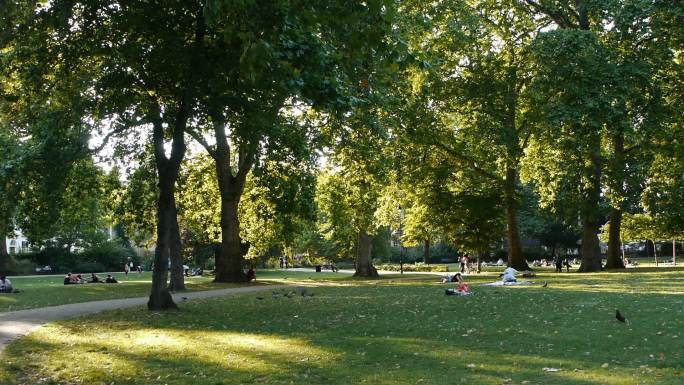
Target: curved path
{"points": [[16, 324]]}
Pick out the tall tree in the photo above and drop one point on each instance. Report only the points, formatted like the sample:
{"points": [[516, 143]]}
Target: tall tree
{"points": [[263, 60], [473, 73], [136, 63], [625, 105]]}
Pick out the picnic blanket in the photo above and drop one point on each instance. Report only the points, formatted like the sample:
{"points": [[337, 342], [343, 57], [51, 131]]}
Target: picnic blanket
{"points": [[501, 283]]}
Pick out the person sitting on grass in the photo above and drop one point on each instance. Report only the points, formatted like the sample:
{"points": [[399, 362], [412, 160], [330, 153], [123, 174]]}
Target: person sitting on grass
{"points": [[94, 278], [67, 279], [73, 279], [462, 286], [509, 275], [110, 279], [251, 275], [5, 285]]}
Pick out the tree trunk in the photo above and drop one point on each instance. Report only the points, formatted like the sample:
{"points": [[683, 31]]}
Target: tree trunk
{"points": [[160, 298], [229, 265], [648, 247], [177, 282], [613, 259], [167, 215], [4, 254], [674, 253], [515, 255], [655, 252], [364, 262], [230, 259], [426, 251], [591, 251]]}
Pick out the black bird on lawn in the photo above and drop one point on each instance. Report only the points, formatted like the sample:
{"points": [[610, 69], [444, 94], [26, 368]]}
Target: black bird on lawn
{"points": [[619, 316]]}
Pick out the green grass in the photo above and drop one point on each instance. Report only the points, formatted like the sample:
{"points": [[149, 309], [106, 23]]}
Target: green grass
{"points": [[50, 291], [392, 331]]}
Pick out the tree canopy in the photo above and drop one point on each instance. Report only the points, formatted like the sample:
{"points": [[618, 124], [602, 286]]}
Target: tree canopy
{"points": [[293, 127]]}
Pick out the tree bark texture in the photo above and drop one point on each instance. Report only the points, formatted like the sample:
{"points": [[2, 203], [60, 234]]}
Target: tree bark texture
{"points": [[614, 259], [167, 215], [591, 251], [177, 282], [160, 298], [229, 265], [516, 259], [230, 261], [426, 251], [5, 260], [364, 262]]}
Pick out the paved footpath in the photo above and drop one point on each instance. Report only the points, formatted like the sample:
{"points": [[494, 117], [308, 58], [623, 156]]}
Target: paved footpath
{"points": [[16, 324]]}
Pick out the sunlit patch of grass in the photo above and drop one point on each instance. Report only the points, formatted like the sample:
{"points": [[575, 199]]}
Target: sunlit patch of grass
{"points": [[388, 331]]}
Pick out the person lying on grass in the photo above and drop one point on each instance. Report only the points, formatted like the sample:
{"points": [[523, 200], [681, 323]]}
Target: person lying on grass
{"points": [[110, 279], [509, 275], [461, 289], [447, 279]]}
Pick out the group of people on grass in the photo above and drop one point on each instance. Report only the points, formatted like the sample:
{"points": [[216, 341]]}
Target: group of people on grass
{"points": [[462, 288], [76, 279]]}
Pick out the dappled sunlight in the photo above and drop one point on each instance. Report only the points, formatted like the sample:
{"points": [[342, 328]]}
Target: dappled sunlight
{"points": [[387, 331], [107, 353], [8, 299]]}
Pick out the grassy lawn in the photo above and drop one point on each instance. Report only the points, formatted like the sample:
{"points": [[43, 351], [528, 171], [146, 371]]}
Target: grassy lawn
{"points": [[392, 331], [50, 291]]}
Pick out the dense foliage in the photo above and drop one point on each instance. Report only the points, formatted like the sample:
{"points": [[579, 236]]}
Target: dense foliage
{"points": [[324, 131]]}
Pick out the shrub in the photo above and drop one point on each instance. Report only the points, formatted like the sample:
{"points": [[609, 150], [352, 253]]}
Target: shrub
{"points": [[420, 267], [18, 266], [89, 267], [61, 260], [111, 255]]}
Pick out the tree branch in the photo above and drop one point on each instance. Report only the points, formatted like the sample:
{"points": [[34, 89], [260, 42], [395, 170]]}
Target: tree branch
{"points": [[555, 15], [246, 160], [470, 162], [157, 133], [200, 139], [105, 140]]}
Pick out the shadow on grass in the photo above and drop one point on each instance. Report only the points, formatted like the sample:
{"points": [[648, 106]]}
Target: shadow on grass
{"points": [[250, 358], [390, 333]]}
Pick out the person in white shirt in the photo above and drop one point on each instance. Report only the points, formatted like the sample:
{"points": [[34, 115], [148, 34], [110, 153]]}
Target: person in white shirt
{"points": [[5, 285], [509, 275]]}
